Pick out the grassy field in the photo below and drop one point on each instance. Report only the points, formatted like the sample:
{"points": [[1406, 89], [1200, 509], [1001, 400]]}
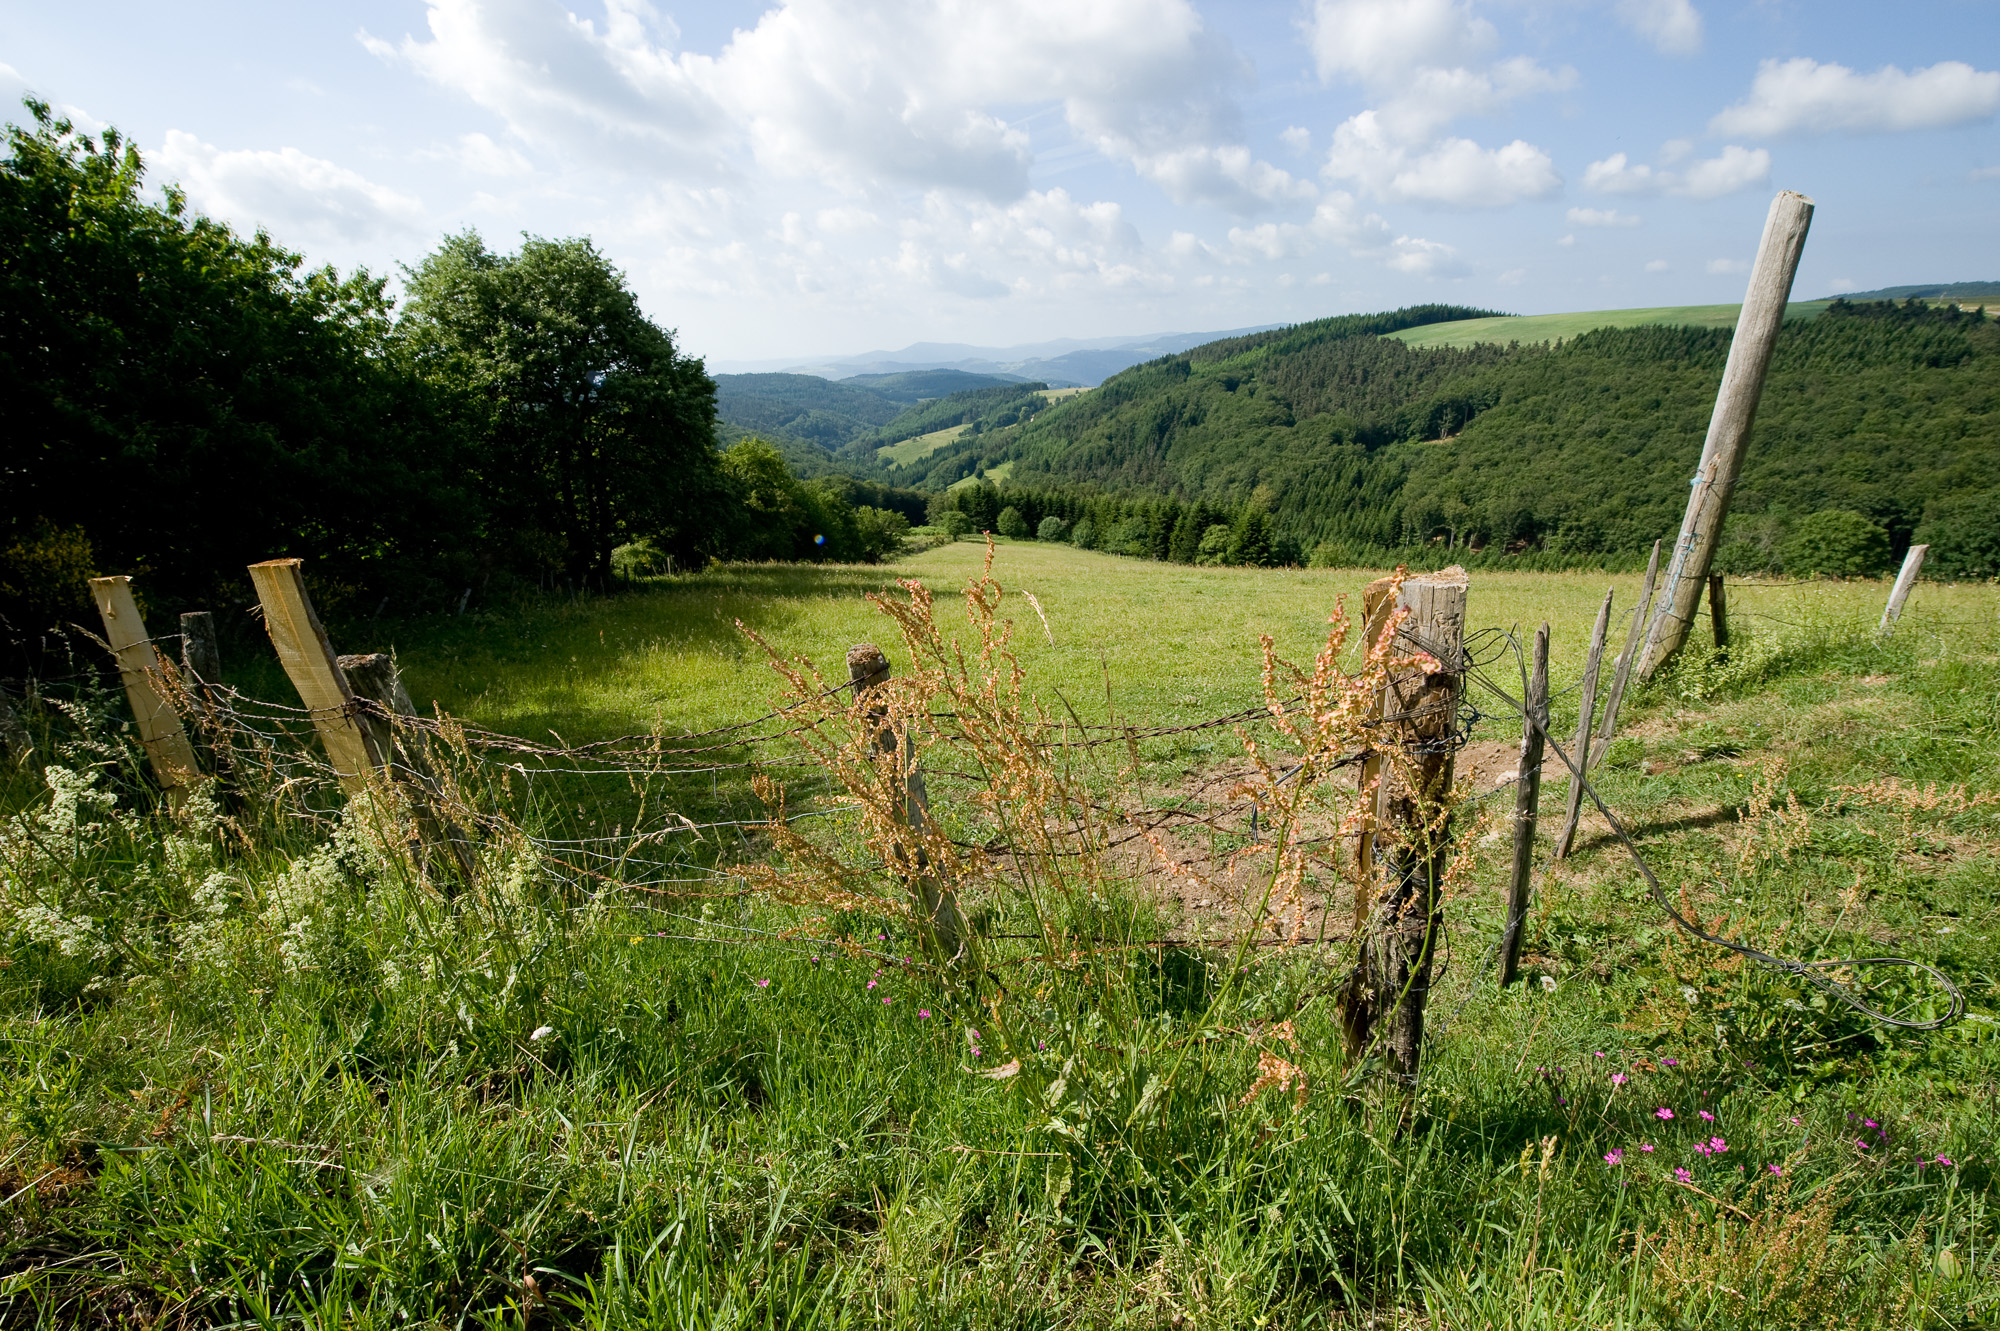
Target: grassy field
{"points": [[1548, 327], [998, 475], [922, 446], [1058, 394], [262, 1078]]}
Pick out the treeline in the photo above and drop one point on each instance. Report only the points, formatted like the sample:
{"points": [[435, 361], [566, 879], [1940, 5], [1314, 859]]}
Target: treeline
{"points": [[1144, 528], [183, 401], [1361, 447]]}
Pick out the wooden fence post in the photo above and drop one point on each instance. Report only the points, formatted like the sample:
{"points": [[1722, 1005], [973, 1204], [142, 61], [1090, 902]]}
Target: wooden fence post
{"points": [[1586, 717], [1718, 611], [1376, 607], [1729, 426], [1527, 801], [309, 661], [1383, 1001], [1623, 674], [166, 742], [374, 677], [937, 906], [1913, 564]]}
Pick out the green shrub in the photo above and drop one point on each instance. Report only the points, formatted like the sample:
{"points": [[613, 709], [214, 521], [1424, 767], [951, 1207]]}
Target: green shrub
{"points": [[1964, 536], [954, 524], [1085, 535], [1214, 545], [1835, 542], [1053, 528], [1012, 525]]}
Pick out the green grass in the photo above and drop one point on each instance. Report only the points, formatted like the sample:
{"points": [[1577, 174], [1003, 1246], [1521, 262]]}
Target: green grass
{"points": [[1058, 394], [922, 446], [269, 1082], [1548, 327], [998, 475]]}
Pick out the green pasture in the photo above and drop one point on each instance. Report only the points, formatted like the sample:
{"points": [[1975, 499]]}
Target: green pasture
{"points": [[1531, 328], [922, 446], [254, 1076]]}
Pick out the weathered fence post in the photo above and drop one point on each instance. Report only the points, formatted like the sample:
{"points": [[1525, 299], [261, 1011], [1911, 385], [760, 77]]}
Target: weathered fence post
{"points": [[1729, 426], [315, 672], [166, 742], [1527, 803], [1382, 1003], [1586, 718], [867, 670], [1376, 607], [1913, 564], [374, 678], [1623, 674], [1718, 611]]}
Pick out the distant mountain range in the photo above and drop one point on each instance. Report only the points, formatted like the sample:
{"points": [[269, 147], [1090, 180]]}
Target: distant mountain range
{"points": [[1064, 362], [1935, 291]]}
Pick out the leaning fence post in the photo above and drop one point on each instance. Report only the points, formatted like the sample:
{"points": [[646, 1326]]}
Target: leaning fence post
{"points": [[1527, 804], [868, 670], [309, 661], [1913, 564], [1383, 1001], [1728, 438], [1573, 810], [166, 742]]}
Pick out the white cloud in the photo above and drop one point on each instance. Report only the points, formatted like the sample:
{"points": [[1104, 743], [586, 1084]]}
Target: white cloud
{"points": [[865, 96], [1719, 267], [1656, 265], [1567, 242], [1513, 277], [1732, 169], [1986, 173], [482, 156], [1375, 41], [1600, 217], [1840, 284], [299, 198], [1298, 138], [1452, 171], [1802, 96], [1672, 26], [1423, 59], [14, 86]]}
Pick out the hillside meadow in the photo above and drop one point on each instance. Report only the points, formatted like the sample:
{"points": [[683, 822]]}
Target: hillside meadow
{"points": [[262, 1077]]}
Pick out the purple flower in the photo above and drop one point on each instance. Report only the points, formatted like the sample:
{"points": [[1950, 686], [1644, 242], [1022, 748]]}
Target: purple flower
{"points": [[1681, 1175], [1646, 1146], [871, 984], [1619, 1079], [924, 1013], [1774, 1169], [887, 1001], [1870, 1123], [1597, 1053], [1943, 1161], [975, 1051], [1663, 1112], [1706, 1117], [763, 984], [1671, 1062], [1862, 1144], [1614, 1156], [1717, 1145]]}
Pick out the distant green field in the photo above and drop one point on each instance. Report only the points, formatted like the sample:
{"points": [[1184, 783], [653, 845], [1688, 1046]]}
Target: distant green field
{"points": [[923, 445], [1548, 327], [1058, 394], [998, 475]]}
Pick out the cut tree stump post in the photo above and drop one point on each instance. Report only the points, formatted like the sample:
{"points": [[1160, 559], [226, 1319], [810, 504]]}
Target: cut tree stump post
{"points": [[374, 678], [1382, 1003], [308, 659], [1718, 611], [1527, 804], [1729, 427], [937, 905], [1377, 604], [1621, 676], [160, 731], [1913, 564], [1586, 715]]}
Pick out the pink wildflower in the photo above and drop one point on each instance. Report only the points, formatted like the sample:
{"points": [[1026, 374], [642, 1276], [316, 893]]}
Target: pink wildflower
{"points": [[1682, 1175], [886, 1002], [1775, 1169], [1870, 1123], [871, 984], [1795, 1121], [1862, 1144], [763, 984], [1717, 1145], [1619, 1079], [1597, 1053], [1663, 1112], [1943, 1161], [1706, 1117], [1671, 1062], [1614, 1156], [1646, 1146], [924, 1013]]}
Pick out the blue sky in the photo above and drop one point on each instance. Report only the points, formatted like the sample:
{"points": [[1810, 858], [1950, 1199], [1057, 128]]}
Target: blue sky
{"points": [[821, 177]]}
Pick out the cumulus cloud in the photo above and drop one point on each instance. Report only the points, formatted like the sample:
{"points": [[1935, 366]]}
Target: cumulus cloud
{"points": [[865, 96], [1452, 171], [299, 198], [1672, 26], [480, 155], [1732, 169], [1600, 217], [1719, 267], [1657, 265], [1427, 62], [1986, 173], [1337, 222], [1802, 96], [14, 86]]}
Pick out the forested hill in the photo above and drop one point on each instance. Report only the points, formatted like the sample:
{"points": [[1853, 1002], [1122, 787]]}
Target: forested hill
{"points": [[1358, 440]]}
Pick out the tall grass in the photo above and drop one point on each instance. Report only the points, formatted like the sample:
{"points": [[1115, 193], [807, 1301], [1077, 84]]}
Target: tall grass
{"points": [[260, 1071]]}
